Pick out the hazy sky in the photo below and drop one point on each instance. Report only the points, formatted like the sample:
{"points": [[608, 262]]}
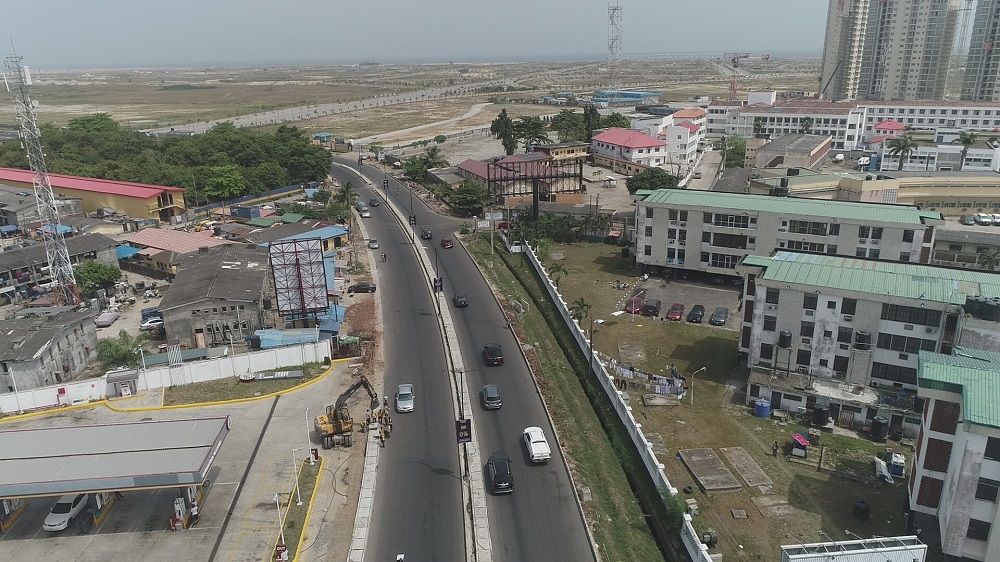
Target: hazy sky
{"points": [[130, 33]]}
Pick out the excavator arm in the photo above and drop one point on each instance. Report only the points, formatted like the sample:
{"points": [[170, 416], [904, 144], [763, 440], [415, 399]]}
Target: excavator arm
{"points": [[362, 382]]}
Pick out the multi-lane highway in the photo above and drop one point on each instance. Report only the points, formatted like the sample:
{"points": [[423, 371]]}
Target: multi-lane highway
{"points": [[418, 506]]}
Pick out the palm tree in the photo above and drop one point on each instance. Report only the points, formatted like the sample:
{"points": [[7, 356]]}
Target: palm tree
{"points": [[902, 147], [758, 127], [989, 259], [346, 194], [433, 158], [579, 309], [966, 139], [602, 223], [556, 272], [503, 129]]}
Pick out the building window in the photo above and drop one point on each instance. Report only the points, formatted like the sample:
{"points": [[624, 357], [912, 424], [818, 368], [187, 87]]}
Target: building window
{"points": [[770, 323], [835, 229], [809, 301], [771, 297], [803, 357], [840, 364], [907, 236], [905, 375], [987, 489], [904, 256], [844, 334], [873, 253], [911, 315], [766, 351], [806, 329], [647, 250], [649, 231], [832, 305], [649, 212], [978, 530], [860, 253], [706, 237], [864, 231], [673, 214], [992, 449], [877, 233], [831, 248]]}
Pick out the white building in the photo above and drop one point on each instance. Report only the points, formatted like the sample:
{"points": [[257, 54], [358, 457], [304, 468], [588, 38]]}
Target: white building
{"points": [[955, 475], [980, 157], [631, 146]]}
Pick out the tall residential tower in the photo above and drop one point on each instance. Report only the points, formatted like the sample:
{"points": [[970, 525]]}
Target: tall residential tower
{"points": [[982, 66], [841, 64]]}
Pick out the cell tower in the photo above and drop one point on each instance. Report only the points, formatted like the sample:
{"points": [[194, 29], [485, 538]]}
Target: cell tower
{"points": [[18, 80], [614, 50]]}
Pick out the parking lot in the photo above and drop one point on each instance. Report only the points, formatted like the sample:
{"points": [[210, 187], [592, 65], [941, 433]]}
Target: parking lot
{"points": [[690, 292]]}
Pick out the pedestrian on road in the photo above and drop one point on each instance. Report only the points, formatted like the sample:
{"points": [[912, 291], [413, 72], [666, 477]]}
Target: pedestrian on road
{"points": [[390, 429], [194, 514], [385, 404], [381, 437], [774, 450]]}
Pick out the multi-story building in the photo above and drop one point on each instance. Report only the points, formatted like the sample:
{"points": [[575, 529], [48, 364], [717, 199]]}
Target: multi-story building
{"points": [[630, 146], [983, 63], [793, 150], [955, 476], [24, 269], [960, 245], [52, 349], [862, 320], [711, 232], [840, 72], [981, 156]]}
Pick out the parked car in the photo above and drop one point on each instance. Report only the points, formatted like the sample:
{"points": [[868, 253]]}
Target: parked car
{"points": [[106, 319], [151, 324], [373, 244], [460, 300], [447, 243], [984, 219], [362, 287], [634, 305], [697, 314], [404, 398], [66, 508], [374, 202], [651, 308], [719, 317], [538, 447], [493, 354], [426, 234], [967, 220], [491, 397], [676, 311], [501, 473]]}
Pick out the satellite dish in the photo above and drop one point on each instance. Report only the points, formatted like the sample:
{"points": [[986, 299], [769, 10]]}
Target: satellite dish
{"points": [[34, 103]]}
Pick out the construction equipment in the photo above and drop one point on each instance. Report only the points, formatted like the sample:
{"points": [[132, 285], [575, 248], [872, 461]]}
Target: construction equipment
{"points": [[336, 426], [734, 79]]}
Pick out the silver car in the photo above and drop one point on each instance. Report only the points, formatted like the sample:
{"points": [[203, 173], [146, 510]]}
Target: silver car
{"points": [[404, 398]]}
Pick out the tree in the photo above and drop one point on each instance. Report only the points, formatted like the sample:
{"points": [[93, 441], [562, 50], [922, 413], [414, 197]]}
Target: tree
{"points": [[591, 121], [224, 182], [989, 259], [440, 139], [569, 126], [321, 196], [806, 126], [531, 130], [966, 139], [121, 351], [469, 197], [346, 194], [375, 147], [902, 147], [758, 127], [414, 168], [92, 276], [616, 120], [734, 151], [433, 158], [503, 129], [556, 272], [651, 179], [579, 309]]}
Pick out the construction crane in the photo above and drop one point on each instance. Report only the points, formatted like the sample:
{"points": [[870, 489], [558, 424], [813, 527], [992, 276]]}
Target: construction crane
{"points": [[734, 80], [18, 81]]}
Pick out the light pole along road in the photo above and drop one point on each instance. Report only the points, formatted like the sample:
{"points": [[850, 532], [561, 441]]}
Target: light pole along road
{"points": [[540, 520]]}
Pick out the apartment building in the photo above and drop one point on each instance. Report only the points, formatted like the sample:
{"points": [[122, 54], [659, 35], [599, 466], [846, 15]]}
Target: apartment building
{"points": [[862, 320], [712, 232], [840, 67], [935, 157], [982, 64], [960, 245], [955, 476], [630, 146]]}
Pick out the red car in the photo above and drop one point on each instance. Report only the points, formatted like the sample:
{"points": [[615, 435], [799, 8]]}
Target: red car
{"points": [[676, 311], [634, 305], [447, 243]]}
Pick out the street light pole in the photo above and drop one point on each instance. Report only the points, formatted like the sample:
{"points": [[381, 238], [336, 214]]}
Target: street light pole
{"points": [[281, 528], [295, 469], [308, 439], [692, 382]]}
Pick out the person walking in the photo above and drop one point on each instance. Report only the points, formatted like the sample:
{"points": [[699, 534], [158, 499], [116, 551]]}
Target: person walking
{"points": [[774, 450], [381, 437]]}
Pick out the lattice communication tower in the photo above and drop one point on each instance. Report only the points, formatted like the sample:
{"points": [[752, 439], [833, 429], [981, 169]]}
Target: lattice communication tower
{"points": [[614, 50], [18, 80]]}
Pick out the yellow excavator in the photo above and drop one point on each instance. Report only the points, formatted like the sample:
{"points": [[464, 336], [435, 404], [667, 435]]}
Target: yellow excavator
{"points": [[336, 426]]}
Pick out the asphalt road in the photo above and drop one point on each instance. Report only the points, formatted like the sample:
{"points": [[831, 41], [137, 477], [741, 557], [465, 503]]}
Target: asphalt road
{"points": [[540, 520]]}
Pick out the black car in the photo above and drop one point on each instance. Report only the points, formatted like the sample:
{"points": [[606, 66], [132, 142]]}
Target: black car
{"points": [[460, 300], [719, 317], [501, 473], [651, 308], [697, 314], [491, 397], [373, 202], [362, 287], [493, 354], [426, 234]]}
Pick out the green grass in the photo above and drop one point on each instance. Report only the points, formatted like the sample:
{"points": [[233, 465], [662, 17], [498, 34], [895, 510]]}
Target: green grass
{"points": [[619, 525], [231, 388], [296, 516]]}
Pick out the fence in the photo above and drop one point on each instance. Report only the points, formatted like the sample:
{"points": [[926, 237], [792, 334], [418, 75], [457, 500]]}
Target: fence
{"points": [[689, 537], [92, 390]]}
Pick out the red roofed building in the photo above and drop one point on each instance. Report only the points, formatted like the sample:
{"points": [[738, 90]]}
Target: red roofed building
{"points": [[136, 200], [888, 128], [629, 145]]}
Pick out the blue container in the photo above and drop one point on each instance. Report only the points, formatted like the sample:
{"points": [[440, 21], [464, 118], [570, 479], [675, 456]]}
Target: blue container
{"points": [[762, 409]]}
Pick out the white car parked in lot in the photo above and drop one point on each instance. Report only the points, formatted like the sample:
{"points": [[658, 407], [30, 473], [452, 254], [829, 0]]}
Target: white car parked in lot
{"points": [[66, 508], [538, 447]]}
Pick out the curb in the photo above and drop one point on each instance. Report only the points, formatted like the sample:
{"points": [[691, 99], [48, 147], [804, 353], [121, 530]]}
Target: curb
{"points": [[366, 501], [312, 500]]}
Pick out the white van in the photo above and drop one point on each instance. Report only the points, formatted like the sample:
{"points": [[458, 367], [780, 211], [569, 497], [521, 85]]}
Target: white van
{"points": [[984, 219]]}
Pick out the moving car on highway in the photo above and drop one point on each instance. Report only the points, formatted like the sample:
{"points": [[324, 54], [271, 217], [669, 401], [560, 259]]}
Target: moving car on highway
{"points": [[501, 473], [491, 397], [404, 398], [493, 354], [538, 447], [447, 243], [461, 300]]}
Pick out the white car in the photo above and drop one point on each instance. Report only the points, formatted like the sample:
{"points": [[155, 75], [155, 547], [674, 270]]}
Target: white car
{"points": [[66, 508], [373, 244], [151, 324], [538, 447], [404, 398]]}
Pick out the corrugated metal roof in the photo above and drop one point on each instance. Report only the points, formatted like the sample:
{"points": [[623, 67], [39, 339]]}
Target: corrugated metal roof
{"points": [[51, 461], [291, 217], [800, 207], [909, 280], [970, 372], [96, 185]]}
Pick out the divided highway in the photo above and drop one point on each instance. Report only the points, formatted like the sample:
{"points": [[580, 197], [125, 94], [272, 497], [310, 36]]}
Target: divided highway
{"points": [[418, 506]]}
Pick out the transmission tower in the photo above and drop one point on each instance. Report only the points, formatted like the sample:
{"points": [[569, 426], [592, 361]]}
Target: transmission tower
{"points": [[614, 50], [734, 79], [18, 80]]}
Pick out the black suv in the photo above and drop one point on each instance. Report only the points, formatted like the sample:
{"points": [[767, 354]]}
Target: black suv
{"points": [[493, 354], [651, 308], [697, 314], [491, 397], [362, 287], [501, 473], [461, 300], [426, 234]]}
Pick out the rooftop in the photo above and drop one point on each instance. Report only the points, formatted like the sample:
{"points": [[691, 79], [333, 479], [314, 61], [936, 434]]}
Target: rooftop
{"points": [[689, 113], [174, 240], [277, 232], [232, 272], [800, 207], [890, 125], [795, 142], [627, 138], [954, 231], [35, 254], [125, 189], [971, 373], [323, 233], [23, 338], [894, 279]]}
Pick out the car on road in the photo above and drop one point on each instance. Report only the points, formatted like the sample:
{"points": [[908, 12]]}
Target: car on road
{"points": [[651, 308], [676, 311], [491, 397], [493, 354], [374, 202], [362, 287], [66, 508], [719, 317], [365, 214], [404, 398], [447, 243], [461, 300], [634, 305], [501, 473], [426, 234], [373, 244], [538, 447], [697, 314], [151, 324]]}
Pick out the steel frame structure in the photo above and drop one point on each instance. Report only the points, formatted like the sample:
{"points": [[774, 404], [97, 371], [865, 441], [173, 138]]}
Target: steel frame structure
{"points": [[512, 179], [299, 276]]}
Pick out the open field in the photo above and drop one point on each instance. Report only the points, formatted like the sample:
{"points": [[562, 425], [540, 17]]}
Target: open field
{"points": [[817, 501], [233, 389]]}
